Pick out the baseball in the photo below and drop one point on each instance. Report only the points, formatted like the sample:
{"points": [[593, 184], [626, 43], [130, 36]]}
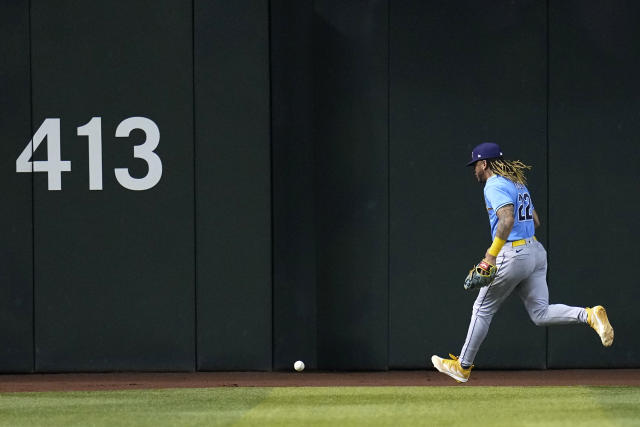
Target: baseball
{"points": [[298, 366]]}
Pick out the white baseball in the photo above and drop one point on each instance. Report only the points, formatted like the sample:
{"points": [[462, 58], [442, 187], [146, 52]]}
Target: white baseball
{"points": [[298, 366]]}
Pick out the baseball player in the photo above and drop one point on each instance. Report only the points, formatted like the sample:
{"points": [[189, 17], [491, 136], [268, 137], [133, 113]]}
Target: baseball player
{"points": [[514, 261]]}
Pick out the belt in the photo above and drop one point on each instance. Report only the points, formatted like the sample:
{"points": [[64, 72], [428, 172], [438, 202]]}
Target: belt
{"points": [[521, 242]]}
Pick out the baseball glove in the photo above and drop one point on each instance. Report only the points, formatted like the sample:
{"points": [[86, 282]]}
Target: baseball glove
{"points": [[480, 275]]}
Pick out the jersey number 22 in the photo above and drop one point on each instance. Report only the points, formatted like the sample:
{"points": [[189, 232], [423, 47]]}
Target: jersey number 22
{"points": [[524, 207]]}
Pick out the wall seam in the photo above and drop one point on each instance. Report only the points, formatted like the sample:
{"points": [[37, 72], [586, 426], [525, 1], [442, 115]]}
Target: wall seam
{"points": [[314, 184], [547, 165], [388, 181], [195, 186], [33, 208], [271, 181]]}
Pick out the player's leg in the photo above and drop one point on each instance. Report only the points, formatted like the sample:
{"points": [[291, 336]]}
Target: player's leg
{"points": [[486, 305], [535, 295], [511, 269]]}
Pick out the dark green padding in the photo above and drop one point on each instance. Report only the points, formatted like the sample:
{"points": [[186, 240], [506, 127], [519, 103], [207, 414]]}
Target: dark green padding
{"points": [[233, 226], [593, 173], [114, 278], [16, 251], [461, 73]]}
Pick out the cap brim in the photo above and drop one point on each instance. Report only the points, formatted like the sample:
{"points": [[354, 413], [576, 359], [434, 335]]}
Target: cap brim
{"points": [[472, 162]]}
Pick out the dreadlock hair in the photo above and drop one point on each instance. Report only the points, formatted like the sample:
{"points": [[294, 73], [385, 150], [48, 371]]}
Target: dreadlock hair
{"points": [[511, 169]]}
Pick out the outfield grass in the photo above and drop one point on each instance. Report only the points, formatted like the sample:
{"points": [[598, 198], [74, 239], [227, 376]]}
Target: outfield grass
{"points": [[339, 406]]}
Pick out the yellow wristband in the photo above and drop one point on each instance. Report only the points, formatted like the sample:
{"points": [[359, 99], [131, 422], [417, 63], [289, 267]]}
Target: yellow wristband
{"points": [[497, 244]]}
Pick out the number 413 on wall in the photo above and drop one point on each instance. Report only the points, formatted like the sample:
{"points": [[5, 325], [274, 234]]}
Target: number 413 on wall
{"points": [[54, 165]]}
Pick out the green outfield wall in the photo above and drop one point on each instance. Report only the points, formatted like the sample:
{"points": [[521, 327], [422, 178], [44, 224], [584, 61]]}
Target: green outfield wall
{"points": [[215, 185]]}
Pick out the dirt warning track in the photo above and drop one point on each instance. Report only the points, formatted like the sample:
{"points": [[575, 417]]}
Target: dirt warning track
{"points": [[132, 381]]}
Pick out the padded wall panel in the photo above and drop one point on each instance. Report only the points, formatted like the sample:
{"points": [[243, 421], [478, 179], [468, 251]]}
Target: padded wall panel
{"points": [[461, 73], [294, 244], [593, 176], [16, 251], [233, 213], [114, 278], [351, 189]]}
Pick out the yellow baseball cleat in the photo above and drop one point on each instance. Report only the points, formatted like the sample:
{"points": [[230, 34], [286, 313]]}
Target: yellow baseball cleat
{"points": [[597, 319], [452, 368]]}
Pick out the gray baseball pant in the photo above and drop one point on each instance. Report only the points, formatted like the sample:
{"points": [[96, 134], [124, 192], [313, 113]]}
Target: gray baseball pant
{"points": [[523, 268]]}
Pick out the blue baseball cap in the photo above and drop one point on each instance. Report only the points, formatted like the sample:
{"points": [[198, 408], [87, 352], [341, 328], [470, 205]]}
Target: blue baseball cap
{"points": [[485, 151]]}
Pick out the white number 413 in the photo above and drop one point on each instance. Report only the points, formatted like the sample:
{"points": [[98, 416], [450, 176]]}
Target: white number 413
{"points": [[54, 166]]}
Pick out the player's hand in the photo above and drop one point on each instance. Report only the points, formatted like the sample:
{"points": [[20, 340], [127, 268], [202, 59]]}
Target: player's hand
{"points": [[488, 258], [480, 275]]}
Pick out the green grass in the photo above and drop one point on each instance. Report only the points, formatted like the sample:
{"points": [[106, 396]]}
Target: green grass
{"points": [[343, 406]]}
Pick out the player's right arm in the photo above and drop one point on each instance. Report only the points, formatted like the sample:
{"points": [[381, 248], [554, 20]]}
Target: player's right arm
{"points": [[503, 229], [536, 220], [505, 221]]}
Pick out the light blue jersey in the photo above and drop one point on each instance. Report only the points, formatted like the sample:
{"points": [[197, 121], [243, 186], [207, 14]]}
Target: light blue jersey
{"points": [[500, 191]]}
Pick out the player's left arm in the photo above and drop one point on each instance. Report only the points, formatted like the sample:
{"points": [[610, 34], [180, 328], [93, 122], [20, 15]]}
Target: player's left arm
{"points": [[503, 229]]}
